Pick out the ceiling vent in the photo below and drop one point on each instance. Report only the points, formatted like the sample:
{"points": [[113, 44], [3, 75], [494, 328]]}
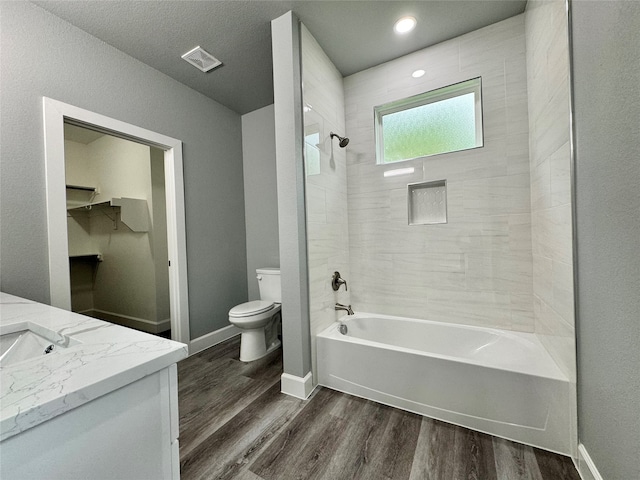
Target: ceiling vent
{"points": [[201, 59]]}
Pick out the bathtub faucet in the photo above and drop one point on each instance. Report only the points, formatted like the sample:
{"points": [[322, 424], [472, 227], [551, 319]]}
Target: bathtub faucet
{"points": [[346, 308]]}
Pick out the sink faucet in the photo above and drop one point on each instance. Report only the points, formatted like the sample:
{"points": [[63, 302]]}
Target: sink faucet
{"points": [[346, 308]]}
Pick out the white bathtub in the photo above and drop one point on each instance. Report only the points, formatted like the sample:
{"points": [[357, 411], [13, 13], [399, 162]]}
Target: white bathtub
{"points": [[495, 381]]}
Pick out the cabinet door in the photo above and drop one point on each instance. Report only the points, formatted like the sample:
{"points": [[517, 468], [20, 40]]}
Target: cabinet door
{"points": [[129, 433]]}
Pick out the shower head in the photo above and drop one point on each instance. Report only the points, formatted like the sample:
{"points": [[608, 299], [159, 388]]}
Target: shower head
{"points": [[344, 141]]}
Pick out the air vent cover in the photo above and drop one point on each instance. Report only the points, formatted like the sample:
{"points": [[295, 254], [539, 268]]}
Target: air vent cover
{"points": [[201, 59]]}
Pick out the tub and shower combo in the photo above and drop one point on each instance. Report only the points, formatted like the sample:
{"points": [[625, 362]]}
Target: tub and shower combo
{"points": [[499, 382]]}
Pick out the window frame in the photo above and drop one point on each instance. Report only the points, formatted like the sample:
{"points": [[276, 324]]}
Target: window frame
{"points": [[472, 85]]}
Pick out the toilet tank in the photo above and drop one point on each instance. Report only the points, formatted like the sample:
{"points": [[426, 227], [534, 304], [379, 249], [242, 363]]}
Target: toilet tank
{"points": [[269, 284]]}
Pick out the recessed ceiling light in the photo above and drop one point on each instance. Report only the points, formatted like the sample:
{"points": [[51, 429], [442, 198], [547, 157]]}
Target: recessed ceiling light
{"points": [[404, 25], [418, 73]]}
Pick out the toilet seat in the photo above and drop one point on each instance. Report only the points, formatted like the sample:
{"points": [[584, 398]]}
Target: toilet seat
{"points": [[249, 309]]}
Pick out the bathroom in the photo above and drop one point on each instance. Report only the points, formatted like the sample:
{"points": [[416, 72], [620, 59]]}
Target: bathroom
{"points": [[212, 282]]}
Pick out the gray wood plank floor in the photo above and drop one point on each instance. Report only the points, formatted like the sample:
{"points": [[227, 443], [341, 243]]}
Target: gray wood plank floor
{"points": [[235, 424]]}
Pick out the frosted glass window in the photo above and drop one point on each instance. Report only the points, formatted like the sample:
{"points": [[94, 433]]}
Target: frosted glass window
{"points": [[440, 121]]}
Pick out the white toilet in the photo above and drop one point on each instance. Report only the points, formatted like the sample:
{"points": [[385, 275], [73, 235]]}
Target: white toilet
{"points": [[259, 319]]}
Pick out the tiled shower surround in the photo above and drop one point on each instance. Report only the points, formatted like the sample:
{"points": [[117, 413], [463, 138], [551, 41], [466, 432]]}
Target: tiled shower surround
{"points": [[503, 259], [477, 268]]}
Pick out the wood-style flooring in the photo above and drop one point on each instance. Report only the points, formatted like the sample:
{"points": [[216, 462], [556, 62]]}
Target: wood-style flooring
{"points": [[235, 424]]}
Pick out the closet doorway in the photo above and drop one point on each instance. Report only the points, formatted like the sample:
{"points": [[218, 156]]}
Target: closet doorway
{"points": [[116, 228]]}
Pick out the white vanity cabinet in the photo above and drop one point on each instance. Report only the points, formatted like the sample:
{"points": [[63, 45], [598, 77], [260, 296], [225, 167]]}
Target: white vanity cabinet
{"points": [[131, 433], [102, 405]]}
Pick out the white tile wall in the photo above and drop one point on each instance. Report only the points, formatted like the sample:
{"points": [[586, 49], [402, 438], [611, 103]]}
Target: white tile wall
{"points": [[477, 268], [326, 193], [548, 82]]}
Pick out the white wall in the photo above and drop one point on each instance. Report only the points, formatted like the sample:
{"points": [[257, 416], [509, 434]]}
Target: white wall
{"points": [[125, 281], [606, 92], [71, 66], [325, 188], [78, 228], [477, 268], [158, 235], [260, 194]]}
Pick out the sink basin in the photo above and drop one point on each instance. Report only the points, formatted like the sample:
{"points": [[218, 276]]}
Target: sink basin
{"points": [[24, 345]]}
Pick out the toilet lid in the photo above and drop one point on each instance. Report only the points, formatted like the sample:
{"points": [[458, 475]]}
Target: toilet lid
{"points": [[250, 308]]}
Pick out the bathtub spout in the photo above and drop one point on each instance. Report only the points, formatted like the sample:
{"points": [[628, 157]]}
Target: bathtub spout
{"points": [[346, 308]]}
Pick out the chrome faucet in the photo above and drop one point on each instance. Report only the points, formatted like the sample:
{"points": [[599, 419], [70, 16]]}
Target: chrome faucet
{"points": [[346, 308], [336, 281]]}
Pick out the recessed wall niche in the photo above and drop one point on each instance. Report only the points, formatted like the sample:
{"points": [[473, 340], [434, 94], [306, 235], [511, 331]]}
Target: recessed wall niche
{"points": [[427, 202]]}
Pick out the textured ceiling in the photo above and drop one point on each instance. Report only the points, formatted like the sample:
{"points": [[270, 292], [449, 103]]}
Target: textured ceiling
{"points": [[355, 34]]}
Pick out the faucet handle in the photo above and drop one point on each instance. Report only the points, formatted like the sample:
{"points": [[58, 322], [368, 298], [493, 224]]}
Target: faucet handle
{"points": [[336, 281]]}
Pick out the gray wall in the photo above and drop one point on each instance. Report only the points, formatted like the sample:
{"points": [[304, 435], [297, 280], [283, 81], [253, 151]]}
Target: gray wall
{"points": [[45, 56], [287, 95], [606, 69], [260, 193]]}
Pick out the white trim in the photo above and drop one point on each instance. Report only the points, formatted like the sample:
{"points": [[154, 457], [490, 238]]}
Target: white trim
{"points": [[143, 324], [213, 338], [296, 386], [586, 468], [55, 113]]}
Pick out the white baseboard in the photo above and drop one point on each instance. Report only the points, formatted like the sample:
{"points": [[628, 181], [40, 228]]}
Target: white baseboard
{"points": [[586, 468], [142, 324], [210, 339], [296, 386]]}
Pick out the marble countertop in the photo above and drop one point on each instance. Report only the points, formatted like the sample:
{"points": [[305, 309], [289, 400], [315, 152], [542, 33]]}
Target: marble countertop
{"points": [[98, 358]]}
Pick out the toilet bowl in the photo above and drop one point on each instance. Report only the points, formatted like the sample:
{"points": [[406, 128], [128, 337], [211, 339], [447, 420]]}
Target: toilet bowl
{"points": [[258, 320]]}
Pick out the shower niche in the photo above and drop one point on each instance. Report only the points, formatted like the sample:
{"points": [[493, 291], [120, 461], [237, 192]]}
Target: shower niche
{"points": [[427, 202]]}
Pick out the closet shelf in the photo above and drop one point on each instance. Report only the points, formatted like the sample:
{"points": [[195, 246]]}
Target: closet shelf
{"points": [[133, 211], [96, 257], [87, 207], [83, 188]]}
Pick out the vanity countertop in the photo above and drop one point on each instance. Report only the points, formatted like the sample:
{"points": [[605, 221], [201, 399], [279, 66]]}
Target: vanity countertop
{"points": [[94, 358]]}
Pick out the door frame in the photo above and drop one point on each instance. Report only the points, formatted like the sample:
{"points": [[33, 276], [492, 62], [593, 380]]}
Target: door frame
{"points": [[55, 115]]}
